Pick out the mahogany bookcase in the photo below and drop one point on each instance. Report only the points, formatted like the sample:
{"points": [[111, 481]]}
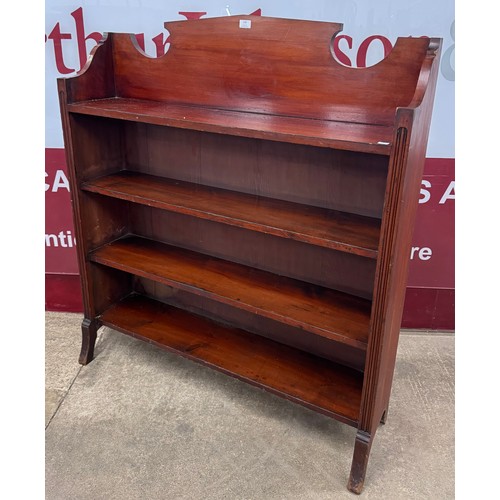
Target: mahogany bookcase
{"points": [[248, 202]]}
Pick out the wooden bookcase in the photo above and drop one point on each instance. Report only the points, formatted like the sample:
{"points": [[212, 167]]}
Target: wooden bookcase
{"points": [[247, 202]]}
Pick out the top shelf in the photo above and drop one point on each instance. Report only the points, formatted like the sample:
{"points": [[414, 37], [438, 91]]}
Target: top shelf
{"points": [[276, 81], [350, 136]]}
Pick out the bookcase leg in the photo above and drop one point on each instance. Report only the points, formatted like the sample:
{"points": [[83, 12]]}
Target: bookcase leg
{"points": [[89, 335], [362, 448], [384, 416]]}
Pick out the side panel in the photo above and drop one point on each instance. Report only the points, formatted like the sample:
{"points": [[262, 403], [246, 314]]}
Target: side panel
{"points": [[403, 190]]}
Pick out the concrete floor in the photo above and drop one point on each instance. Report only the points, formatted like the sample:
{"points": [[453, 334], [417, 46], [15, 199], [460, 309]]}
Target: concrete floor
{"points": [[139, 423]]}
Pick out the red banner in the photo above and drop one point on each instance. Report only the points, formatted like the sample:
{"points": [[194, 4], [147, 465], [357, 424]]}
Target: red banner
{"points": [[433, 250], [60, 252], [430, 296]]}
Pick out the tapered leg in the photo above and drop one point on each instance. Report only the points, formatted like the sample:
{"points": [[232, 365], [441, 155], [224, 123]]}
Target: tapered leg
{"points": [[362, 448], [89, 335], [383, 420]]}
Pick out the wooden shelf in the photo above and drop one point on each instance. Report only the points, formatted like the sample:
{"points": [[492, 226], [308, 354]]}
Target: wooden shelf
{"points": [[327, 228], [350, 136], [298, 376], [269, 110], [328, 313]]}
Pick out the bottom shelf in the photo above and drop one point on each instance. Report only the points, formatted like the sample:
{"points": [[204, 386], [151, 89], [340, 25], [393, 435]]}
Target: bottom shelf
{"points": [[317, 383]]}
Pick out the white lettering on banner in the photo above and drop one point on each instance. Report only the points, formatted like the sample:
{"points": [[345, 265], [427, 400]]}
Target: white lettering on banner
{"points": [[63, 239], [449, 193], [424, 253], [60, 182], [425, 192]]}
